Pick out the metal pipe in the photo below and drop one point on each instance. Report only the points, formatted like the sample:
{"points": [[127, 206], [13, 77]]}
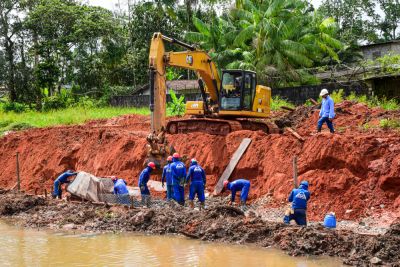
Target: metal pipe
{"points": [[204, 96]]}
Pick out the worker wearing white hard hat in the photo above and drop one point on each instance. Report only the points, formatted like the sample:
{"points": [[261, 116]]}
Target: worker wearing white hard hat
{"points": [[327, 112]]}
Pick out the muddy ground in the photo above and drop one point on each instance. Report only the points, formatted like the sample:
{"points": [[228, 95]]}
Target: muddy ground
{"points": [[219, 223]]}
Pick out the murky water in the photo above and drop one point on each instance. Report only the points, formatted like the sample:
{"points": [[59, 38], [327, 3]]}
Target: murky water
{"points": [[26, 247]]}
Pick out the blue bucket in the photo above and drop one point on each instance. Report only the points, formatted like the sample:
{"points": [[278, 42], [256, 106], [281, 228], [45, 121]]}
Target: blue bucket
{"points": [[330, 221]]}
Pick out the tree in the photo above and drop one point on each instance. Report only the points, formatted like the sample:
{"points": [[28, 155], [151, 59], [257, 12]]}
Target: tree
{"points": [[391, 21], [275, 38], [10, 24]]}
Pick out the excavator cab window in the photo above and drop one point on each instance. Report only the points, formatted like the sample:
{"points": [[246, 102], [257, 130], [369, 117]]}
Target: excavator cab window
{"points": [[237, 90]]}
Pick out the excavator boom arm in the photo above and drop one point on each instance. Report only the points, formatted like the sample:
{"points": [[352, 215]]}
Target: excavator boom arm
{"points": [[196, 60]]}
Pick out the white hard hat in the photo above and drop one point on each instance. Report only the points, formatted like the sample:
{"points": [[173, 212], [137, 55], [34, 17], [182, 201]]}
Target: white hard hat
{"points": [[323, 92]]}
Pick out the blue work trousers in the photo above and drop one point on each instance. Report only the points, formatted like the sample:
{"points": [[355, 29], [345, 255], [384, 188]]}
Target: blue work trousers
{"points": [[299, 216], [123, 199], [170, 192], [179, 194], [57, 192], [328, 122], [197, 188], [245, 192]]}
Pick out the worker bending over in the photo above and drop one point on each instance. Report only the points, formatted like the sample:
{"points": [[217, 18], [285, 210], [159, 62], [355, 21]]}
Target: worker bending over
{"points": [[121, 190], [178, 178], [143, 179], [327, 112], [167, 175], [197, 177], [62, 179], [299, 198], [239, 185]]}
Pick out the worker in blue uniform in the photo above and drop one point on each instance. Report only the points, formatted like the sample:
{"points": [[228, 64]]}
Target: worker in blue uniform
{"points": [[178, 178], [121, 190], [327, 112], [197, 177], [242, 185], [167, 177], [299, 198], [62, 179], [143, 179]]}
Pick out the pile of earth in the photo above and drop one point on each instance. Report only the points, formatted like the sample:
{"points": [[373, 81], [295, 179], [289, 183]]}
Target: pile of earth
{"points": [[354, 173], [217, 223]]}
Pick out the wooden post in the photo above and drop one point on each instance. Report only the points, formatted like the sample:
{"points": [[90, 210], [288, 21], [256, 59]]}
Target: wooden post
{"points": [[18, 178], [295, 171], [45, 193]]}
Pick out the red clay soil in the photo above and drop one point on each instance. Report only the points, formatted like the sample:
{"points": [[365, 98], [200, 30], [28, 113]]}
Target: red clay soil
{"points": [[353, 170]]}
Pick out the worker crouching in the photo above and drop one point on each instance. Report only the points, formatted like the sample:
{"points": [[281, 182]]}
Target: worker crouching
{"points": [[121, 190], [299, 198], [197, 177], [62, 179], [178, 178], [143, 179], [242, 185]]}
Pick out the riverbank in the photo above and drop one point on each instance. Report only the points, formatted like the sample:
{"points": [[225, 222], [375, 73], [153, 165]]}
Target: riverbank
{"points": [[218, 223]]}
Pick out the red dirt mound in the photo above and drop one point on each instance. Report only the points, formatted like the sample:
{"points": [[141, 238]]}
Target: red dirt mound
{"points": [[349, 172]]}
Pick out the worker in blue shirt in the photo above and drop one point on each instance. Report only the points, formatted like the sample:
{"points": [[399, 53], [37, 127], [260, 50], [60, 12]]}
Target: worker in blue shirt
{"points": [[242, 185], [327, 112], [121, 190], [178, 178], [62, 179], [197, 177], [143, 179], [298, 197], [167, 175]]}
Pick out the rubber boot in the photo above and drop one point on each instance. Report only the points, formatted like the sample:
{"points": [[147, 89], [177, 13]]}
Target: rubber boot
{"points": [[318, 129], [242, 204], [191, 204], [202, 206]]}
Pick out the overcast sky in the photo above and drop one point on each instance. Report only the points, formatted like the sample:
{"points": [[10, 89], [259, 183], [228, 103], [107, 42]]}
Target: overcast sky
{"points": [[110, 4]]}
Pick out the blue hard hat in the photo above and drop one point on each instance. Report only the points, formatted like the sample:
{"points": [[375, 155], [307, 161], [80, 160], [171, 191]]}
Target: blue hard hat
{"points": [[304, 183]]}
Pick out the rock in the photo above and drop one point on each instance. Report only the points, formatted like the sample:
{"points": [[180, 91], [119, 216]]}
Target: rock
{"points": [[375, 260], [382, 206], [69, 226], [348, 211]]}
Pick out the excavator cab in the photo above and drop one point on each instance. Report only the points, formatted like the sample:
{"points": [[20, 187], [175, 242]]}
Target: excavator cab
{"points": [[238, 88]]}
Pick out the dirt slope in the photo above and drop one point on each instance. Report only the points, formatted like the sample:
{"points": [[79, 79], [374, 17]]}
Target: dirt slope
{"points": [[353, 173]]}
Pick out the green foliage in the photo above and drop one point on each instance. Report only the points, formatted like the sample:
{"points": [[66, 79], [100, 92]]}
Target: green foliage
{"points": [[72, 115], [14, 107], [176, 106], [389, 123], [374, 101], [278, 39], [337, 96], [277, 102]]}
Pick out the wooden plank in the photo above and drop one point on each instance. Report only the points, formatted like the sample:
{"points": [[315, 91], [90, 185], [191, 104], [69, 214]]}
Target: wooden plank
{"points": [[232, 164], [295, 134], [295, 172]]}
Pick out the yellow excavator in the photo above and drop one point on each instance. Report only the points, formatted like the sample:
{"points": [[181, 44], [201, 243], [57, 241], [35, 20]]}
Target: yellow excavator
{"points": [[232, 103]]}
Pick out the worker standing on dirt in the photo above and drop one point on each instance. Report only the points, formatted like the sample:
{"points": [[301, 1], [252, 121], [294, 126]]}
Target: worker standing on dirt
{"points": [[167, 175], [298, 197], [197, 177], [143, 179], [62, 179], [327, 112], [242, 185], [121, 190], [178, 178]]}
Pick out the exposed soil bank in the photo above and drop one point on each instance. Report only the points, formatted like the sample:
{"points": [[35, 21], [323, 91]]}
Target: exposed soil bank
{"points": [[355, 172], [218, 223]]}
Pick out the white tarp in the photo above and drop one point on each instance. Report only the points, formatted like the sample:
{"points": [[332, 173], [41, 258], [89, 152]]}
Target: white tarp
{"points": [[90, 187]]}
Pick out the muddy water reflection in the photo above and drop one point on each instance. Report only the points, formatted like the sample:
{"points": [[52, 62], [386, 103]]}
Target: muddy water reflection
{"points": [[25, 247]]}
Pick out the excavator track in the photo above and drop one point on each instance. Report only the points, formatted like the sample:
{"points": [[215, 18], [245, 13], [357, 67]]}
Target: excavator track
{"points": [[218, 126]]}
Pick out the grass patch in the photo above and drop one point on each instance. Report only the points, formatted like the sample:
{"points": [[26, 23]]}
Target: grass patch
{"points": [[277, 102], [389, 123], [18, 121], [374, 101]]}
